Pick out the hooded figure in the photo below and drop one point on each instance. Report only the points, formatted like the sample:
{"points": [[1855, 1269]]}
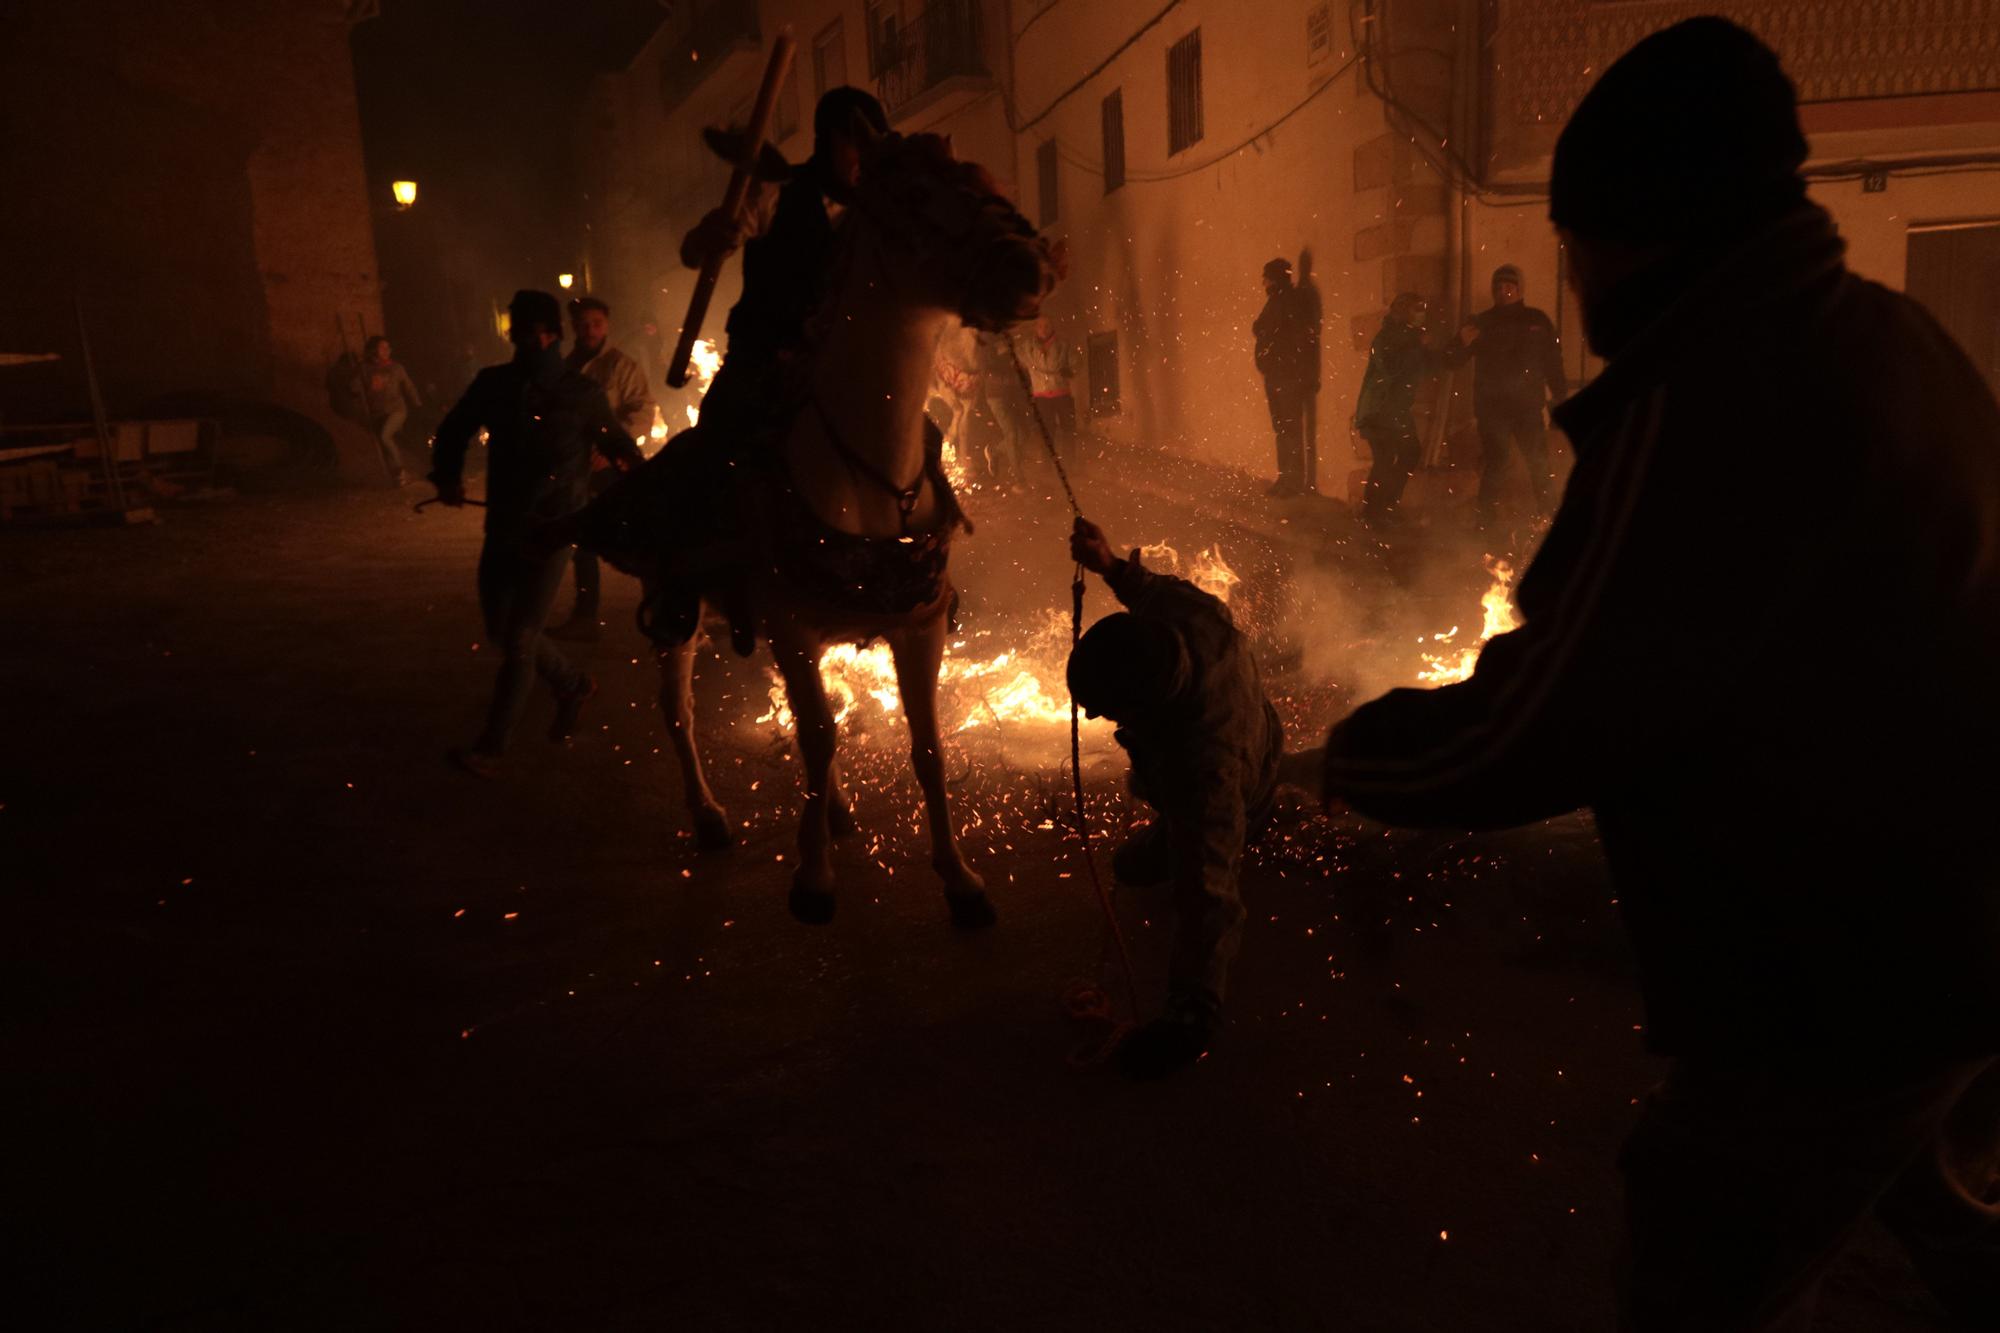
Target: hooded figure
{"points": [[1517, 371], [1801, 842]]}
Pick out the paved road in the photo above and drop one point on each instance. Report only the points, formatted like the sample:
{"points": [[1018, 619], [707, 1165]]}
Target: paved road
{"points": [[309, 1031]]}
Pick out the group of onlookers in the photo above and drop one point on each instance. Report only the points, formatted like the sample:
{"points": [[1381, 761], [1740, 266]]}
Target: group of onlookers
{"points": [[996, 396], [1517, 376]]}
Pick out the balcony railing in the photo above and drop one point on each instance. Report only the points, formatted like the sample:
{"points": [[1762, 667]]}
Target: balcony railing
{"points": [[938, 44], [709, 32]]}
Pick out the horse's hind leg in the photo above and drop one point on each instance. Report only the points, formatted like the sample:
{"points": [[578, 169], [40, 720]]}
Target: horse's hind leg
{"points": [[798, 663], [711, 821], [919, 652]]}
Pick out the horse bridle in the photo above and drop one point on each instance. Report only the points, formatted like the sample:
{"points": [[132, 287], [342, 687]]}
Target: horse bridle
{"points": [[906, 497]]}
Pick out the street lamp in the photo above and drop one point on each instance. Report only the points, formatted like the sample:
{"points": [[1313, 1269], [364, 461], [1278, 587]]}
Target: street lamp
{"points": [[405, 192], [566, 280]]}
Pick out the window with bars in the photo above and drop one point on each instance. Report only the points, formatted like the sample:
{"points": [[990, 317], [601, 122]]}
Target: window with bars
{"points": [[1101, 354], [1114, 139], [1046, 171], [885, 27], [1184, 93]]}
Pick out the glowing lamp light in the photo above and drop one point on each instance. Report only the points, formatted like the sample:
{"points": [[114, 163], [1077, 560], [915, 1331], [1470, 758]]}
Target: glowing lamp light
{"points": [[566, 280], [405, 192]]}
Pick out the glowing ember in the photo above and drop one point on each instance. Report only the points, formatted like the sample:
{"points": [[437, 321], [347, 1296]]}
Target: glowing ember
{"points": [[1019, 686], [1450, 667]]}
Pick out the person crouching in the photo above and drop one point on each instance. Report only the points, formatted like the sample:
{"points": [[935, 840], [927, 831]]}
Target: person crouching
{"points": [[1182, 684]]}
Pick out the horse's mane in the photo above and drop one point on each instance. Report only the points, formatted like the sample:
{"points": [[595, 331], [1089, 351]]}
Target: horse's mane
{"points": [[932, 155]]}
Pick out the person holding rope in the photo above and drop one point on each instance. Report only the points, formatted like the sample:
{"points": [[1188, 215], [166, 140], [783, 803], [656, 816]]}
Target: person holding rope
{"points": [[1181, 682], [544, 420]]}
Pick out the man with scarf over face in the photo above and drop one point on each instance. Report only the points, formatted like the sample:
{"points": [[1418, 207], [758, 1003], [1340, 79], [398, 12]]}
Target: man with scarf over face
{"points": [[1774, 694]]}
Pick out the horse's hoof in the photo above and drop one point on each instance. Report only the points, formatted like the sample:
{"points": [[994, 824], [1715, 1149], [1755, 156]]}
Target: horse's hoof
{"points": [[971, 911], [814, 907], [711, 831], [840, 820]]}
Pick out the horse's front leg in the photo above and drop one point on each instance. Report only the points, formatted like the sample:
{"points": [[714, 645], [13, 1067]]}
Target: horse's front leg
{"points": [[797, 654], [711, 821], [919, 652]]}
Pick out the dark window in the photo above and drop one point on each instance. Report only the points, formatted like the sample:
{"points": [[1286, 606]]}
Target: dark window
{"points": [[885, 24], [1184, 93], [1045, 168], [1101, 351], [1955, 271], [829, 58], [1114, 140]]}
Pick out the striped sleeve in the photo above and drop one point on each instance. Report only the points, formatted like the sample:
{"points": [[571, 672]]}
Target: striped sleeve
{"points": [[1526, 737]]}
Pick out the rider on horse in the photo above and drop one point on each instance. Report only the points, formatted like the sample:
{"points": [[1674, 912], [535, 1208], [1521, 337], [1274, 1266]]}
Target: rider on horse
{"points": [[787, 242]]}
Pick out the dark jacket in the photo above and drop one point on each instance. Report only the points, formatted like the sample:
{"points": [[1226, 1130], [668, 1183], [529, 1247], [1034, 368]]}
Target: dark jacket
{"points": [[543, 423], [1776, 692], [784, 272], [1516, 362], [1397, 361], [1287, 339], [1208, 764]]}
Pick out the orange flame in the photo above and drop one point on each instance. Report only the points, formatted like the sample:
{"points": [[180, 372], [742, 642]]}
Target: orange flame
{"points": [[1498, 617], [1018, 686]]}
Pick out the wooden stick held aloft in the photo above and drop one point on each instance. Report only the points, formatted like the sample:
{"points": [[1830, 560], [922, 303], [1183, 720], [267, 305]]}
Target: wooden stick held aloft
{"points": [[775, 71]]}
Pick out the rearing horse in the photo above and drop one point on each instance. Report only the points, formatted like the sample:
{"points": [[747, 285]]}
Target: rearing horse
{"points": [[850, 519]]}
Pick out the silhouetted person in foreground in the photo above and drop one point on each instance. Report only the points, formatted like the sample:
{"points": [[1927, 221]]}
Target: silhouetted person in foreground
{"points": [[1776, 695], [544, 421], [1182, 684], [1517, 372], [624, 383], [1286, 333], [1385, 413]]}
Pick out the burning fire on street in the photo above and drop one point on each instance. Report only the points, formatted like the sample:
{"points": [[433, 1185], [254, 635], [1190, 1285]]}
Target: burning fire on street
{"points": [[1450, 665], [1017, 686]]}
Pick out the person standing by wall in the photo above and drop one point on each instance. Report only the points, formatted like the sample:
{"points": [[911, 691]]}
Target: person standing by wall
{"points": [[1283, 345], [1517, 374], [623, 380], [1050, 371], [1312, 318], [1385, 413], [388, 393]]}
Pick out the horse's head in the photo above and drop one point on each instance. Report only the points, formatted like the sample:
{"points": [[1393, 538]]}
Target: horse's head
{"points": [[955, 240]]}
